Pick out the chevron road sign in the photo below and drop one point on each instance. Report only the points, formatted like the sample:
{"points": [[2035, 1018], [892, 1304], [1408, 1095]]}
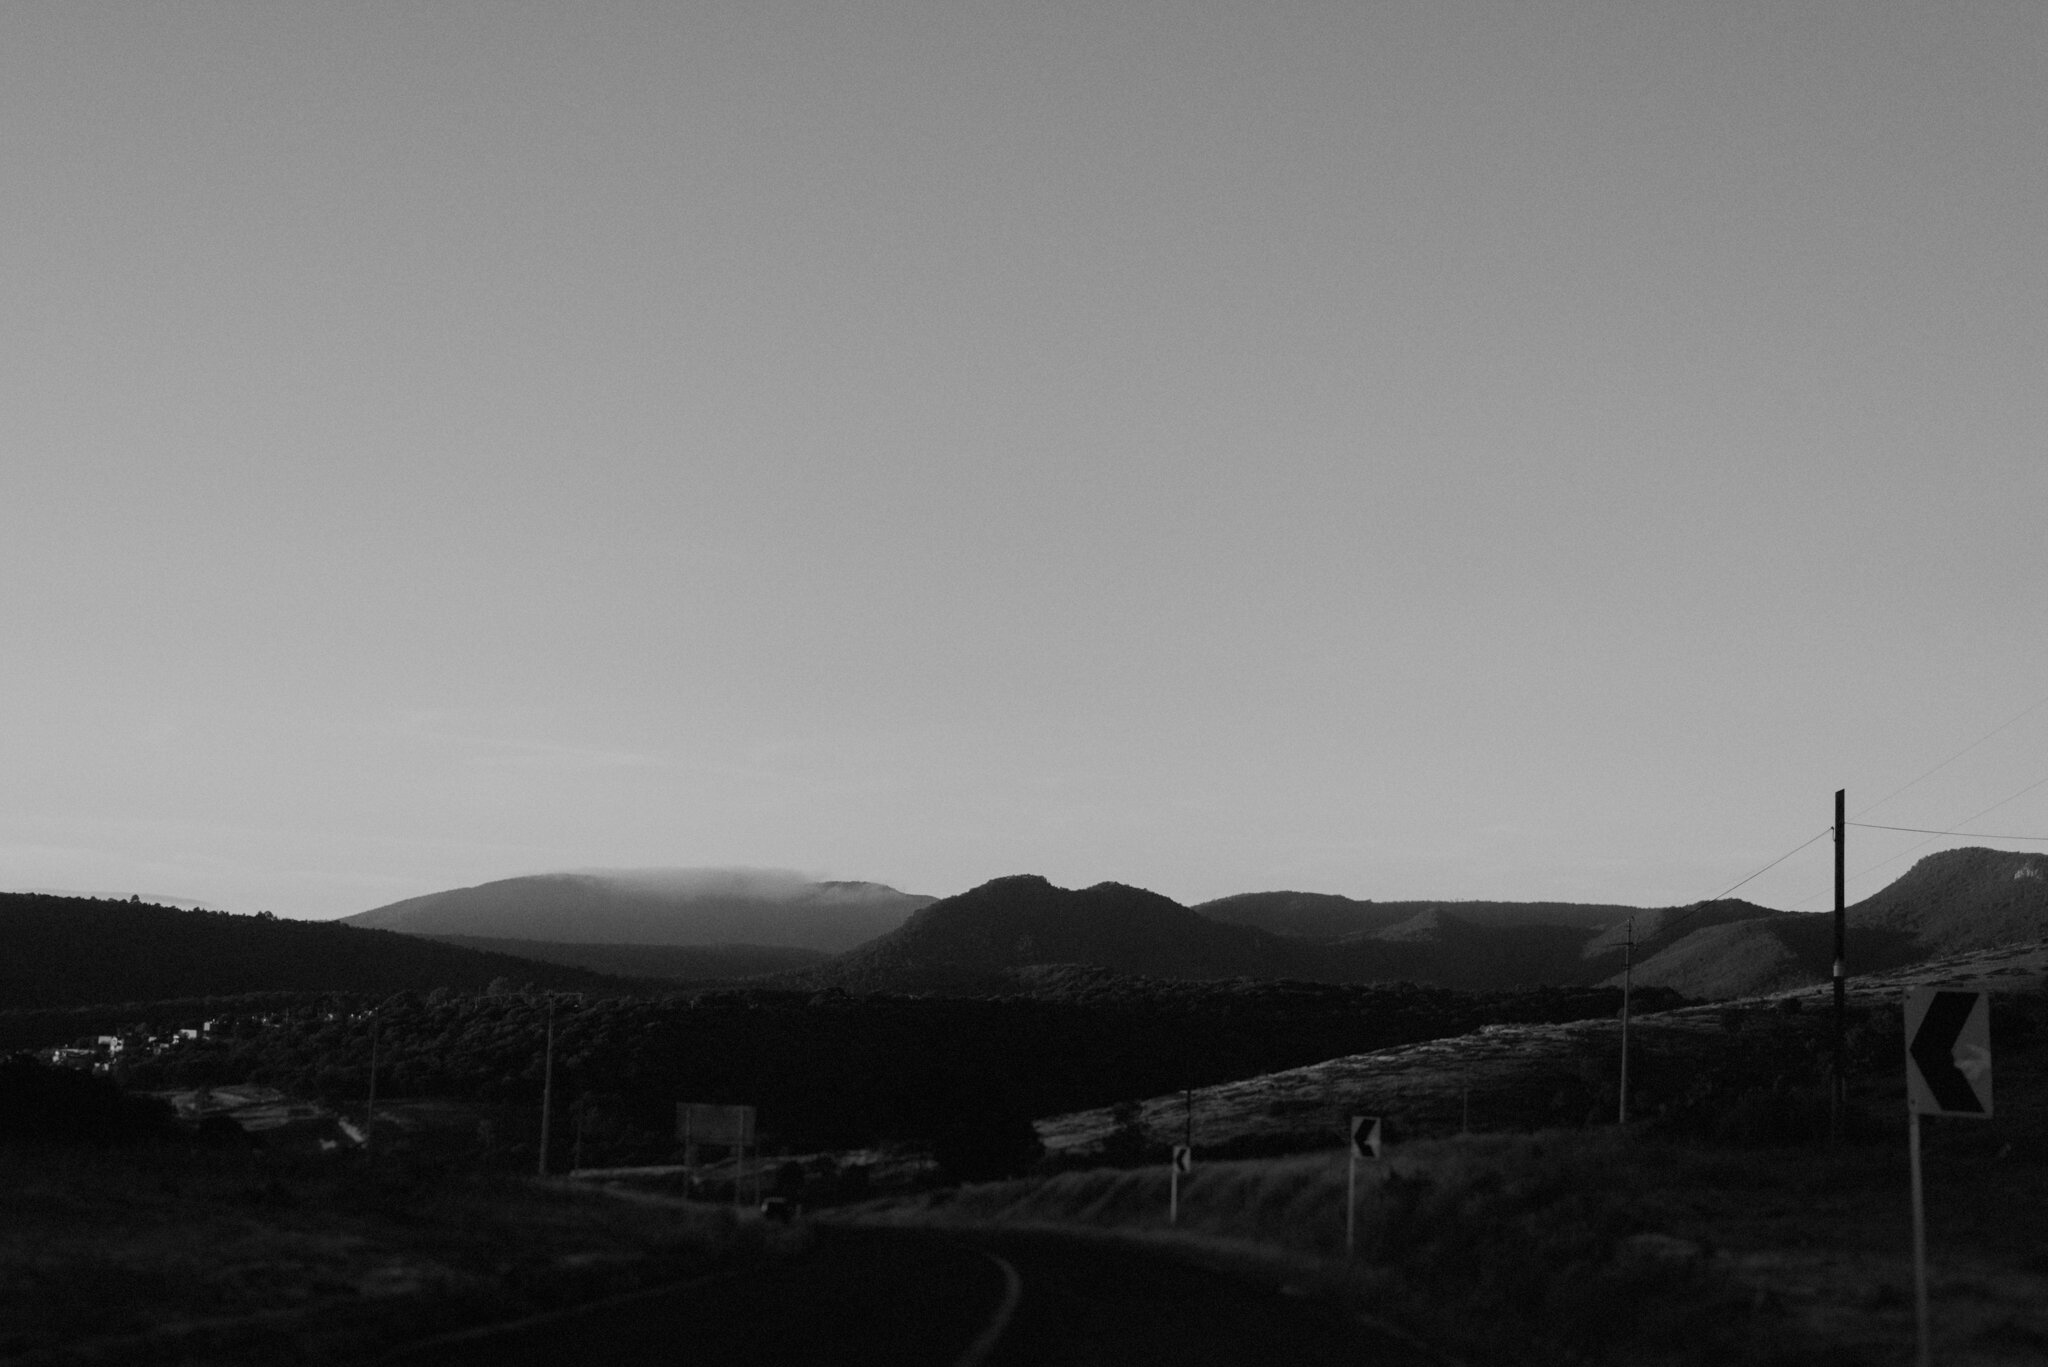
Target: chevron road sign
{"points": [[1365, 1136], [1183, 1158], [1365, 1143], [1948, 1072], [1948, 1052]]}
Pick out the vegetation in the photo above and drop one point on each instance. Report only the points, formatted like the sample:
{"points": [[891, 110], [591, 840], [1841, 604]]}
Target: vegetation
{"points": [[828, 1070], [39, 1103], [1723, 1226], [239, 1255]]}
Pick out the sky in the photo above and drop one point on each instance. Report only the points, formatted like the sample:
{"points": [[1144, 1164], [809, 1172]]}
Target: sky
{"points": [[1453, 449]]}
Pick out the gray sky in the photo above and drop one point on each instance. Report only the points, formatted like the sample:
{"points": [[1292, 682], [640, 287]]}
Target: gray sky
{"points": [[1437, 449]]}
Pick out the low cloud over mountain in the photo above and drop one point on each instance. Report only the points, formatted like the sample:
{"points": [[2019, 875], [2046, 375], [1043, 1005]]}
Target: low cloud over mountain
{"points": [[658, 907]]}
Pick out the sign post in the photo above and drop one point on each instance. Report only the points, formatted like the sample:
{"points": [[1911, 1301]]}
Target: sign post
{"points": [[1365, 1142], [1183, 1161], [731, 1126], [1948, 1072]]}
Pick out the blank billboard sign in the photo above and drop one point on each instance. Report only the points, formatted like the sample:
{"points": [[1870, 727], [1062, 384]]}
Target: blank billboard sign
{"points": [[700, 1122]]}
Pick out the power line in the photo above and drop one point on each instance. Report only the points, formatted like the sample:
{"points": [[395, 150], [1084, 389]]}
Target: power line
{"points": [[2022, 713], [1774, 863], [1699, 907], [1956, 830], [1967, 835]]}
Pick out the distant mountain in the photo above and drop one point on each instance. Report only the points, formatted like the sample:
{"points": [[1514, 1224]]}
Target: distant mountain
{"points": [[979, 941], [74, 951], [1326, 916], [974, 943], [693, 964], [1306, 915], [657, 907]]}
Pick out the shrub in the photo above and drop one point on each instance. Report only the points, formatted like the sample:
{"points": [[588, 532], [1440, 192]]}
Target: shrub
{"points": [[42, 1103], [1775, 1118], [986, 1141]]}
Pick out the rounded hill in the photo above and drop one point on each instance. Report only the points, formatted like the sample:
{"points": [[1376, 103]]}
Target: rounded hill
{"points": [[1024, 919]]}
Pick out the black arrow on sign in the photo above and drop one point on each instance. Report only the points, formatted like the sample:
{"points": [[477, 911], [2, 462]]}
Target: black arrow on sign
{"points": [[1934, 1046]]}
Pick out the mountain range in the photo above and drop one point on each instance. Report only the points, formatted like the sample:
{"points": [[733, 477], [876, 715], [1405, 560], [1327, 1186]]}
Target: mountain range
{"points": [[1947, 903], [614, 934]]}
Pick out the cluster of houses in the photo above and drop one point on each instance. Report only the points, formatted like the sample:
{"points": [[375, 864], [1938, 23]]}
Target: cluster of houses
{"points": [[105, 1053]]}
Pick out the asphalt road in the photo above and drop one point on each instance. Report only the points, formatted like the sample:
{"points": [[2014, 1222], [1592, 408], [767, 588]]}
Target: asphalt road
{"points": [[909, 1298]]}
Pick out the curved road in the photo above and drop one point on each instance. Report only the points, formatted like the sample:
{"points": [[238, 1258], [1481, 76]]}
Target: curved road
{"points": [[948, 1299]]}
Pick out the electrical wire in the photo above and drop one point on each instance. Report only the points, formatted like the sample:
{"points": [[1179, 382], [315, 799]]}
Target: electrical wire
{"points": [[1956, 830], [2018, 716], [1967, 835], [1699, 907]]}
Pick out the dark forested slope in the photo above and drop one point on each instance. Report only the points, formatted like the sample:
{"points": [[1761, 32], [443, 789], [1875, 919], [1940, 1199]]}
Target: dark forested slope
{"points": [[69, 951], [683, 964], [834, 1069], [1326, 916]]}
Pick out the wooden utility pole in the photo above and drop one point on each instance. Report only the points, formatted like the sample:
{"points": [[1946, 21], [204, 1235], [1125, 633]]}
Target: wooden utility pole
{"points": [[370, 1106], [547, 1088], [1628, 968], [1838, 1088]]}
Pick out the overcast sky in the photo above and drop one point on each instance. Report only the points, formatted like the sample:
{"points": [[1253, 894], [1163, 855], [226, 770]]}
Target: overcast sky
{"points": [[1517, 449]]}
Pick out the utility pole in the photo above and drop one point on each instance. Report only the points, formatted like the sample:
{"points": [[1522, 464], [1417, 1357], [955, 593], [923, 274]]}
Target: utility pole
{"points": [[547, 1088], [1838, 1091], [1628, 968], [370, 1106]]}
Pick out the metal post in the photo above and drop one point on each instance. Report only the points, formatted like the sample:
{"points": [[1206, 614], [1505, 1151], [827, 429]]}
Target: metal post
{"points": [[1351, 1203], [547, 1089], [1919, 1239], [1838, 1089], [1173, 1195], [1628, 968]]}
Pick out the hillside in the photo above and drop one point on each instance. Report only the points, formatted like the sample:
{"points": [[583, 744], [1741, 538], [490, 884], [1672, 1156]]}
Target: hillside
{"points": [[1450, 948], [694, 964], [1961, 900], [1947, 903], [1326, 916], [657, 907], [72, 951], [1010, 922]]}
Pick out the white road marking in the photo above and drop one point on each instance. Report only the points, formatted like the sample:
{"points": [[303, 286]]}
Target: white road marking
{"points": [[1013, 1292]]}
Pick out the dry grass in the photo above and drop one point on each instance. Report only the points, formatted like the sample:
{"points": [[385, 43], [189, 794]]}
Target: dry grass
{"points": [[1525, 1248], [1663, 1244]]}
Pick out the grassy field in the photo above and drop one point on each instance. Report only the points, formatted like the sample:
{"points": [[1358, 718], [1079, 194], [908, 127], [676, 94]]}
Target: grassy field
{"points": [[1694, 1066], [1720, 1227], [1572, 1246], [177, 1254]]}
